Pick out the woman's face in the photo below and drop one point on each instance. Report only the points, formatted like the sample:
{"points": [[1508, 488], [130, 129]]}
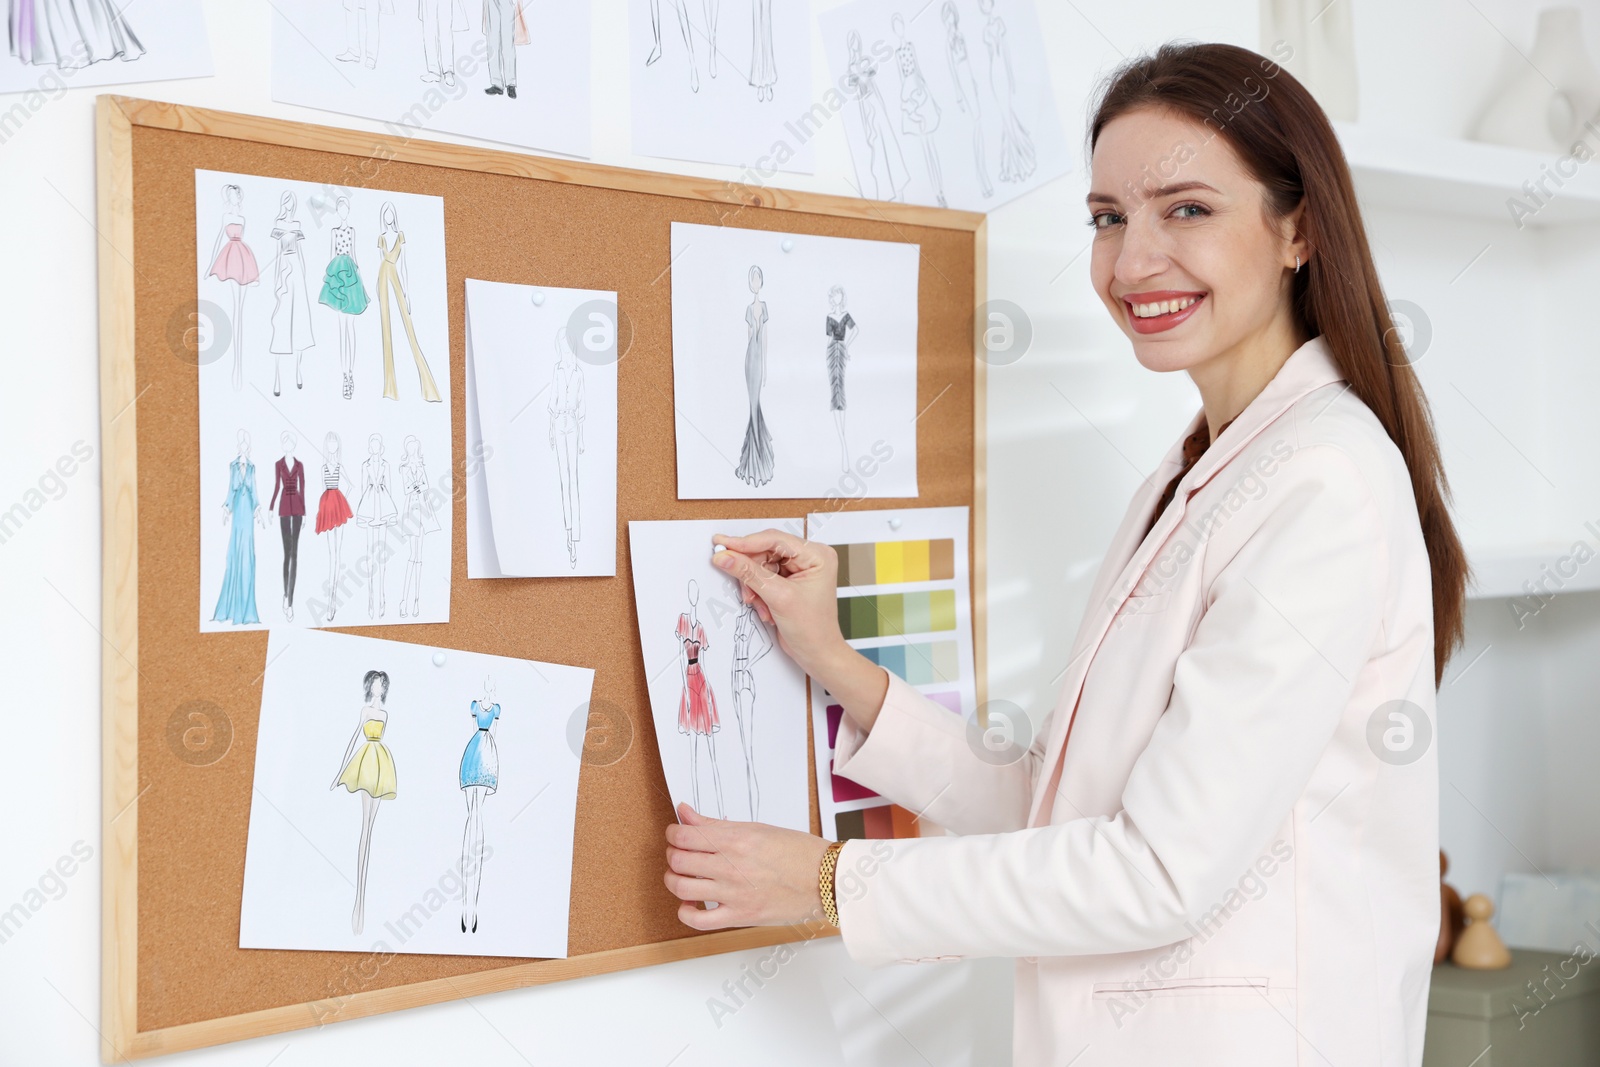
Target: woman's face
{"points": [[1177, 216]]}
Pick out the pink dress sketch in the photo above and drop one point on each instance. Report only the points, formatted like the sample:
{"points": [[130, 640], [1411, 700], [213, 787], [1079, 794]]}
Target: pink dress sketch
{"points": [[697, 708], [235, 262]]}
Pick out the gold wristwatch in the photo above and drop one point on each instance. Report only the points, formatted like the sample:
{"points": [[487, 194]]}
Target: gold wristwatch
{"points": [[830, 904]]}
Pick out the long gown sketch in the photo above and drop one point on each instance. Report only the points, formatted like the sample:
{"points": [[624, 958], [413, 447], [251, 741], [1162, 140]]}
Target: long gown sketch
{"points": [[684, 28], [237, 602], [479, 777], [376, 511], [919, 112], [361, 18], [392, 285], [291, 315], [883, 145], [757, 458], [344, 292], [1016, 147], [841, 330], [751, 641], [763, 60], [966, 83], [333, 511], [71, 34], [233, 262], [419, 518], [566, 438], [368, 768], [440, 21], [697, 707], [289, 498]]}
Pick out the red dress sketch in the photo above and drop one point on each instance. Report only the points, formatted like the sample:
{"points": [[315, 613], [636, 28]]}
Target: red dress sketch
{"points": [[697, 708]]}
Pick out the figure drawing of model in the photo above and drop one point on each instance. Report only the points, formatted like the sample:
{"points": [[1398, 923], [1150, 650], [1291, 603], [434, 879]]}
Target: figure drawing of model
{"points": [[503, 30], [697, 707], [883, 145], [233, 262], [368, 768], [841, 329], [750, 642], [289, 498], [237, 603], [566, 437], [343, 291], [376, 511], [70, 34], [480, 776], [1016, 147], [763, 61], [966, 83], [756, 458], [919, 112], [291, 315], [361, 30], [687, 32], [333, 511], [440, 21], [393, 285], [419, 519]]}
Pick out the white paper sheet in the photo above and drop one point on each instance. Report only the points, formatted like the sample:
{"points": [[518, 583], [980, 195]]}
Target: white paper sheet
{"points": [[956, 103], [724, 81], [833, 422], [389, 561], [731, 727], [388, 61], [57, 46], [916, 623], [542, 426], [302, 866]]}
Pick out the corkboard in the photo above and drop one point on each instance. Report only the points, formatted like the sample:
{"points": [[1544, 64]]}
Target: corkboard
{"points": [[174, 827]]}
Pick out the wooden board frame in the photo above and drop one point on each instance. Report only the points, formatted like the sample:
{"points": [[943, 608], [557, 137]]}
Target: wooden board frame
{"points": [[116, 119]]}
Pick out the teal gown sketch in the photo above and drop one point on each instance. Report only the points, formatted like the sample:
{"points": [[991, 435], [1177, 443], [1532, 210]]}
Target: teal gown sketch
{"points": [[237, 603]]}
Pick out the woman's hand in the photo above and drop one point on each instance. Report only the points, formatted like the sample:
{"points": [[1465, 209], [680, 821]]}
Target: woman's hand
{"points": [[792, 584], [759, 875]]}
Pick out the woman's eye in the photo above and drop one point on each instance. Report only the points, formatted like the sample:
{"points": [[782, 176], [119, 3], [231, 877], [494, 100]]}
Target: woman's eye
{"points": [[1094, 221], [1201, 208]]}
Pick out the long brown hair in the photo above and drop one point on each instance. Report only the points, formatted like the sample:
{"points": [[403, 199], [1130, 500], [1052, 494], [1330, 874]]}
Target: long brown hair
{"points": [[1287, 144]]}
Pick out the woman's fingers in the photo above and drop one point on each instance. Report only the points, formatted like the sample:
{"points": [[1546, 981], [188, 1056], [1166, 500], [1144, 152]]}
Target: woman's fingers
{"points": [[788, 552]]}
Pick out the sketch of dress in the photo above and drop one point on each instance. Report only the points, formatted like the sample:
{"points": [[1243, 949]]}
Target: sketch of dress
{"points": [[566, 438], [756, 458], [70, 34], [966, 83], [838, 355], [342, 288], [480, 760], [697, 706], [391, 287], [1016, 147], [368, 769], [371, 769], [883, 146], [750, 642], [235, 262], [333, 510], [376, 505], [919, 112], [763, 62], [237, 604], [417, 519], [291, 315], [479, 776]]}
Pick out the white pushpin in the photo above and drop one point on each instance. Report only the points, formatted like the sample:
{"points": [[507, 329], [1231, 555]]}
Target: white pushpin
{"points": [[538, 298], [788, 245], [894, 524], [438, 659]]}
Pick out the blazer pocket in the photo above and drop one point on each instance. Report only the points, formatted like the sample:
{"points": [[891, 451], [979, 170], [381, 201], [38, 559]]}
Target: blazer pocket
{"points": [[1184, 987]]}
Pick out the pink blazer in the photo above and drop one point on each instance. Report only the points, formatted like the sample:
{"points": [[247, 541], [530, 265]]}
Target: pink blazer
{"points": [[1222, 846]]}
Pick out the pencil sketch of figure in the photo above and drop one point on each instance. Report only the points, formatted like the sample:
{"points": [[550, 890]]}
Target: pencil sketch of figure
{"points": [[566, 438], [291, 315], [333, 511], [376, 511], [368, 768], [419, 519], [289, 498], [237, 604], [440, 21], [479, 776], [712, 9], [751, 641], [919, 112], [763, 59], [500, 32], [343, 290], [683, 27], [232, 261], [697, 707], [841, 330], [883, 145], [394, 286], [966, 83], [756, 458], [70, 34], [361, 30], [1016, 147]]}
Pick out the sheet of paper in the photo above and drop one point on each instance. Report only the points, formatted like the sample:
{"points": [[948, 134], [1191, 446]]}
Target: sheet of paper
{"points": [[412, 799], [56, 46], [728, 704], [950, 105], [727, 82], [514, 71], [905, 602], [322, 330], [794, 364], [542, 427]]}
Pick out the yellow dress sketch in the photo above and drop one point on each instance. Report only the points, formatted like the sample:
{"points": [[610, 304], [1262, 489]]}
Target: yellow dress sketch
{"points": [[389, 283], [371, 768]]}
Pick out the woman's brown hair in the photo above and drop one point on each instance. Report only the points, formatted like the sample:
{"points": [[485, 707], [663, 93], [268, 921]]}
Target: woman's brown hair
{"points": [[1287, 144]]}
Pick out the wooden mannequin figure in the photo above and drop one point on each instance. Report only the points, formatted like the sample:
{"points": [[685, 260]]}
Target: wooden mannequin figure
{"points": [[1479, 948], [1452, 918]]}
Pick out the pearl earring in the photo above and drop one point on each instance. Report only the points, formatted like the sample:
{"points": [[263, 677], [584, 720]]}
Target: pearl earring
{"points": [[1297, 264]]}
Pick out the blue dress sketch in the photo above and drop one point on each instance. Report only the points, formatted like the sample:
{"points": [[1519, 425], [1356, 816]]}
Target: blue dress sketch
{"points": [[480, 776], [480, 763], [238, 600]]}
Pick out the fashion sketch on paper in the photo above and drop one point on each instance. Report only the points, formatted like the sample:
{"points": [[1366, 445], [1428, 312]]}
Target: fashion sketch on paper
{"points": [[241, 510], [756, 458], [440, 21], [333, 511], [841, 329], [680, 7], [344, 292], [361, 30], [289, 498], [919, 112], [291, 315], [751, 641], [882, 143], [70, 34], [503, 29], [763, 59], [1016, 147], [479, 776], [233, 262], [368, 769], [966, 83], [417, 520], [697, 706], [394, 285], [566, 438], [376, 511]]}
